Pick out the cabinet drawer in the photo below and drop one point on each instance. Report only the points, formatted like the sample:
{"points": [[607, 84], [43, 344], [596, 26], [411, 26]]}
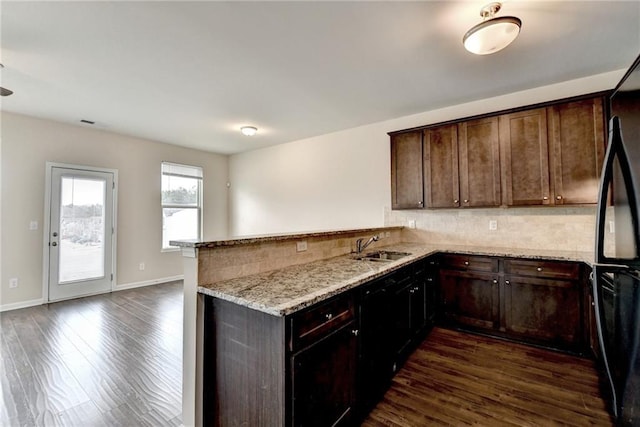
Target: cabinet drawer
{"points": [[541, 268], [318, 321], [470, 262]]}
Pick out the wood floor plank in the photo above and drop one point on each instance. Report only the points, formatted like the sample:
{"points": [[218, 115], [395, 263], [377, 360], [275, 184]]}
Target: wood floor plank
{"points": [[455, 378], [113, 359]]}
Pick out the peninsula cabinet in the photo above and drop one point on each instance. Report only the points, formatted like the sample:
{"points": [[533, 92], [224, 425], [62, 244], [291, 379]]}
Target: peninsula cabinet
{"points": [[550, 155], [407, 189]]}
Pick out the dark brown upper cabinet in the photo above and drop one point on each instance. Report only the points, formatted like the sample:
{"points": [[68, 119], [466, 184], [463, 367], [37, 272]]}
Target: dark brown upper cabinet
{"points": [[576, 144], [407, 187], [441, 182], [551, 155], [525, 158], [479, 148]]}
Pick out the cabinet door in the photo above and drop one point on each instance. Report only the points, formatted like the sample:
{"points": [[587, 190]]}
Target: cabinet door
{"points": [[524, 158], [324, 381], [407, 188], [577, 143], [470, 298], [546, 310], [479, 151], [376, 350], [441, 184], [400, 305]]}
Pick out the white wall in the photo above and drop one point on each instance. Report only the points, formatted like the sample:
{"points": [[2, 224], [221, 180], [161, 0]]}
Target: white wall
{"points": [[342, 180], [28, 143]]}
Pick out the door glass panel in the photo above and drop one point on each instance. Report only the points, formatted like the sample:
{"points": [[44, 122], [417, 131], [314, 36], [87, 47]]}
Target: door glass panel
{"points": [[82, 229]]}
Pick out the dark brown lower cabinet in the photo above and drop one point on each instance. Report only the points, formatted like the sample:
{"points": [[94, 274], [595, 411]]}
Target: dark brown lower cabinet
{"points": [[323, 378], [544, 310], [470, 298], [536, 301]]}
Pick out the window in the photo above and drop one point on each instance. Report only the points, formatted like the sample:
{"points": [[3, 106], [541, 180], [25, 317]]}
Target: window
{"points": [[181, 203]]}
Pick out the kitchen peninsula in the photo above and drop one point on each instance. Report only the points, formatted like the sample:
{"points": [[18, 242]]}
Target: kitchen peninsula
{"points": [[291, 292]]}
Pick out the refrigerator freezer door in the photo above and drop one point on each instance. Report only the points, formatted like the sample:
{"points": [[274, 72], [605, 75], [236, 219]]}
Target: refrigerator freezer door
{"points": [[617, 302]]}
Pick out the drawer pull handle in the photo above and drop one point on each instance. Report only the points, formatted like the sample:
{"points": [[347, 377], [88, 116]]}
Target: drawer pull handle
{"points": [[539, 268], [558, 197], [354, 332], [329, 316]]}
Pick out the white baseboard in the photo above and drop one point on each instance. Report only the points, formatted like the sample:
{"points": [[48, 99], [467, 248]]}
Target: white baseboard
{"points": [[21, 304], [123, 286]]}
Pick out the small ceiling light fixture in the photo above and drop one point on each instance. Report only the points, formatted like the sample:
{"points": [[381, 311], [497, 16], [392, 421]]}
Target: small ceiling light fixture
{"points": [[249, 130], [492, 34]]}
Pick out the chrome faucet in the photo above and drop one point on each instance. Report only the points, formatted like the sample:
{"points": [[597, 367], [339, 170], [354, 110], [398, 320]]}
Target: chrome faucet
{"points": [[361, 247]]}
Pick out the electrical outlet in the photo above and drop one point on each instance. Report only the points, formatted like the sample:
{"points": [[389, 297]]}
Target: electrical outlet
{"points": [[13, 282], [141, 266], [412, 223], [33, 225], [493, 225], [612, 227], [301, 246]]}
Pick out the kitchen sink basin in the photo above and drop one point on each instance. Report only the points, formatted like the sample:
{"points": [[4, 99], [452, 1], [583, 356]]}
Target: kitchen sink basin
{"points": [[383, 256]]}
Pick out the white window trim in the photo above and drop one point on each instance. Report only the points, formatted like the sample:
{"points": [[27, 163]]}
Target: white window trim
{"points": [[199, 206]]}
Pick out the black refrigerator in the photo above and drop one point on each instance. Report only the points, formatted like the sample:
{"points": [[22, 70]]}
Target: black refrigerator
{"points": [[616, 272]]}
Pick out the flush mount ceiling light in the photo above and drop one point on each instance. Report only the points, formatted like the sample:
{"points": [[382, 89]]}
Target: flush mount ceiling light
{"points": [[249, 130], [492, 34]]}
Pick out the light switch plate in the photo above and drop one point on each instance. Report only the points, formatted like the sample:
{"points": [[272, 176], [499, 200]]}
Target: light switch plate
{"points": [[33, 225], [493, 225], [301, 246], [412, 223], [13, 282]]}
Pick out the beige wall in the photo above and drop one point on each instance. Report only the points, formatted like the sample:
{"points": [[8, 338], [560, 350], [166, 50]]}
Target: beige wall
{"points": [[342, 180], [28, 143]]}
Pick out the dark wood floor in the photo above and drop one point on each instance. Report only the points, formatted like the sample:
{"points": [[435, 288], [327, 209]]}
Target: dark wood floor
{"points": [[116, 360], [107, 360], [460, 379]]}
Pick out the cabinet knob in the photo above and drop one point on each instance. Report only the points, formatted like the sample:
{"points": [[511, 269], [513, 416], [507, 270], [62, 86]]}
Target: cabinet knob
{"points": [[429, 279], [466, 200], [328, 316], [506, 282], [593, 304], [412, 291], [456, 201], [354, 332], [417, 288], [466, 263], [558, 197], [495, 281], [420, 203], [539, 268]]}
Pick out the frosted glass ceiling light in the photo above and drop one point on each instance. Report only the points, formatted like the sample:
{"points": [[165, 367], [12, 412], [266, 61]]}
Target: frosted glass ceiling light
{"points": [[492, 34], [249, 130]]}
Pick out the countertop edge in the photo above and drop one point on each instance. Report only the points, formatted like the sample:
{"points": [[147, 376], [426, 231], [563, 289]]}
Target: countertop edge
{"points": [[250, 240]]}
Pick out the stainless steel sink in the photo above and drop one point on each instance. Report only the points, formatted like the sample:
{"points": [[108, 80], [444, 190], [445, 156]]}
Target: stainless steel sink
{"points": [[383, 256]]}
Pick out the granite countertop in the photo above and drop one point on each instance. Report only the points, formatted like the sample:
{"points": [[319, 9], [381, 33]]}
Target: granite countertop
{"points": [[272, 238], [285, 291]]}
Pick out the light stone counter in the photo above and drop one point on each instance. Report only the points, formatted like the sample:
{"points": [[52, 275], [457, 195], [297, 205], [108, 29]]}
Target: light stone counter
{"points": [[287, 290]]}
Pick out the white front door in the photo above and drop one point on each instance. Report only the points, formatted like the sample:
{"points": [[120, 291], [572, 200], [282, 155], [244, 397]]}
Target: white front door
{"points": [[81, 232]]}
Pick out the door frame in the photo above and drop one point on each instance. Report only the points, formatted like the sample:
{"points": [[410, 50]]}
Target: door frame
{"points": [[46, 228]]}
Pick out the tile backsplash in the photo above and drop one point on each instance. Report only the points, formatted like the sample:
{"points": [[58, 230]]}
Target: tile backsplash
{"points": [[558, 228]]}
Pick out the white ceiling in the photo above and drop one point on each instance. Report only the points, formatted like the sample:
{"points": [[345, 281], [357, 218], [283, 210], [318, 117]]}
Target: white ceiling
{"points": [[191, 73]]}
